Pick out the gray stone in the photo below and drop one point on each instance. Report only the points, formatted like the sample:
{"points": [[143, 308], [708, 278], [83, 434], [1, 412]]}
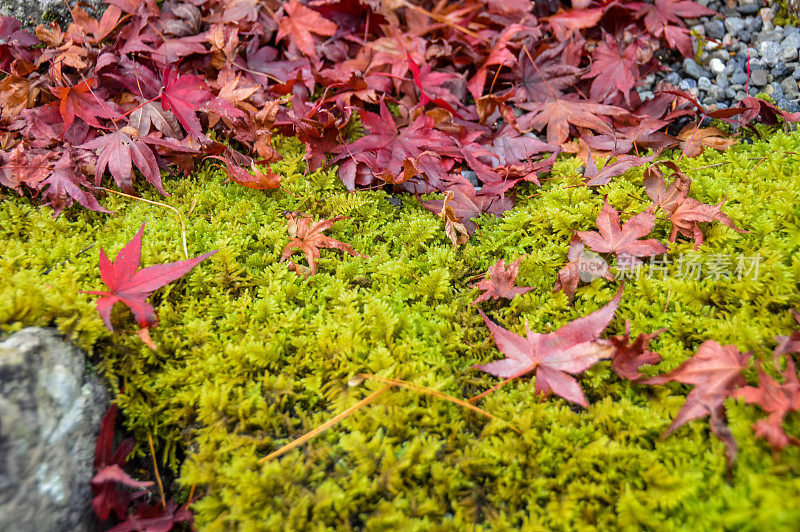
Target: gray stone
{"points": [[722, 81], [734, 25], [759, 77], [703, 83], [775, 90], [694, 70], [796, 74], [789, 46], [715, 29], [754, 24], [716, 65], [50, 412], [471, 176], [748, 7], [780, 70], [739, 77], [718, 93], [740, 95], [687, 84], [790, 89], [770, 52], [45, 10]]}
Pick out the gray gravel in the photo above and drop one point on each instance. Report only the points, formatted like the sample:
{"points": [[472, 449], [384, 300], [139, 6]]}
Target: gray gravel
{"points": [[741, 39]]}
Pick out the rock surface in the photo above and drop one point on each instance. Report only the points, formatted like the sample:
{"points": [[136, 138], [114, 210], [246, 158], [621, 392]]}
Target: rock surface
{"points": [[31, 12], [50, 413]]}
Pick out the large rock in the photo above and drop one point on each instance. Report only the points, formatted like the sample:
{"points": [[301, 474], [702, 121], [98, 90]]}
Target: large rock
{"points": [[50, 413], [32, 12]]}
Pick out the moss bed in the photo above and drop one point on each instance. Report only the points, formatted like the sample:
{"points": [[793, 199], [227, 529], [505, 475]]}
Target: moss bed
{"points": [[252, 356]]}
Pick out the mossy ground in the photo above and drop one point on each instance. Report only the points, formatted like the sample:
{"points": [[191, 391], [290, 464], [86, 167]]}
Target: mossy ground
{"points": [[252, 356]]}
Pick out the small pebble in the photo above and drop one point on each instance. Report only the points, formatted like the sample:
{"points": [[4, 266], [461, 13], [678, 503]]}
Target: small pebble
{"points": [[716, 65], [715, 29], [759, 77], [739, 78], [790, 89], [694, 70], [771, 53], [686, 84], [703, 83], [734, 25], [722, 81]]}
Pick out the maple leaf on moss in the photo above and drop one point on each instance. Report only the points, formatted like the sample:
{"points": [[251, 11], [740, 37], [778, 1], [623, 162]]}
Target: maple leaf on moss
{"points": [[623, 239], [131, 287], [307, 238], [694, 139], [501, 282], [684, 213], [777, 400], [466, 204], [554, 356], [715, 371], [67, 183], [629, 356]]}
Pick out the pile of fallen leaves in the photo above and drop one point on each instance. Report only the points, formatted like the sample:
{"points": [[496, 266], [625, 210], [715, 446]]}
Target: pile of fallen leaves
{"points": [[463, 98], [438, 87]]}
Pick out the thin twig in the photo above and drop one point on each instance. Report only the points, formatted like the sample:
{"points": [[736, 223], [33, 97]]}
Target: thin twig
{"points": [[440, 395], [325, 426], [176, 211], [155, 466]]}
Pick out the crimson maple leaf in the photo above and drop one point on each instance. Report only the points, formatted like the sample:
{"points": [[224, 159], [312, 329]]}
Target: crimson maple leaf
{"points": [[777, 400], [629, 356], [132, 287], [501, 282], [566, 23], [185, 95], [67, 183], [625, 239], [684, 213], [155, 518], [299, 23], [547, 76], [715, 371], [556, 114], [307, 237], [79, 100], [613, 70], [554, 356], [663, 19], [260, 180], [389, 151], [109, 473], [118, 152]]}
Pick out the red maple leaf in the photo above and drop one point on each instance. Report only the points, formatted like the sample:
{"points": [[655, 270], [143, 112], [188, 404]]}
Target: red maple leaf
{"points": [[299, 23], [569, 22], [118, 152], [185, 95], [684, 213], [155, 518], [388, 152], [67, 183], [624, 239], [613, 70], [501, 282], [547, 76], [715, 371], [628, 356], [259, 179], [777, 400], [554, 356], [556, 114], [79, 100], [109, 473], [132, 287]]}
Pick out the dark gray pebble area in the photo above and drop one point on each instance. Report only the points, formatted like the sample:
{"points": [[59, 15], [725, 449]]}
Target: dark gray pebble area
{"points": [[739, 35]]}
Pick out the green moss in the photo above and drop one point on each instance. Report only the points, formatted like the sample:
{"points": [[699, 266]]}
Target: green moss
{"points": [[252, 356]]}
